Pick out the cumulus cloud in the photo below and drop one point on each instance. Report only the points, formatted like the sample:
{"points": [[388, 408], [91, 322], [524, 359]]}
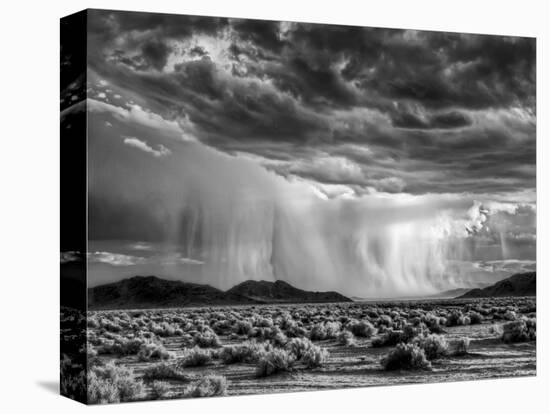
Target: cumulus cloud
{"points": [[143, 146], [114, 259], [134, 113], [124, 260]]}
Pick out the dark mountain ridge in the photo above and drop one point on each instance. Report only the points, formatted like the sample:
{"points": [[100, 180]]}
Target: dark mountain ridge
{"points": [[280, 292], [520, 284], [154, 292]]}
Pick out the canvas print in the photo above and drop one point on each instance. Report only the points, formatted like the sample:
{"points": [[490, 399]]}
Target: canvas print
{"points": [[255, 206]]}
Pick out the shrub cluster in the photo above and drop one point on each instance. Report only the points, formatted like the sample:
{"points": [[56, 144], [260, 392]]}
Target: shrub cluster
{"points": [[406, 356], [153, 350], [111, 383], [164, 371], [195, 357], [209, 386], [521, 330], [274, 361]]}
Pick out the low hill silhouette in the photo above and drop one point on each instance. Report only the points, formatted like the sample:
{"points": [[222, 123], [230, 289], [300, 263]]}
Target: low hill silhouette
{"points": [[154, 292], [520, 284]]}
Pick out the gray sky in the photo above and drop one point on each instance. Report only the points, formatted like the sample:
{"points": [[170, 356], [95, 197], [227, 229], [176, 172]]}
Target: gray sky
{"points": [[384, 161]]}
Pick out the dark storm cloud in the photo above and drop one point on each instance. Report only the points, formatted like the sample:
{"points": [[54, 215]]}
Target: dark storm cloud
{"points": [[263, 33], [434, 112], [156, 53], [112, 23], [452, 119]]}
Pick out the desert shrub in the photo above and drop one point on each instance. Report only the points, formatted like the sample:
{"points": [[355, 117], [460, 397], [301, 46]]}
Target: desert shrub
{"points": [[409, 332], [362, 329], [274, 361], [164, 371], [454, 318], [332, 329], [460, 346], [293, 330], [385, 320], [304, 350], [435, 327], [118, 345], [279, 339], [129, 346], [110, 325], [510, 315], [101, 391], [159, 389], [406, 356], [389, 338], [111, 383], [372, 313], [207, 339], [417, 320], [152, 350], [242, 327], [346, 338], [261, 322], [273, 333], [318, 332], [249, 352], [222, 327], [164, 329], [209, 386], [521, 330], [496, 330], [434, 346], [315, 356], [195, 357], [475, 318], [299, 346]]}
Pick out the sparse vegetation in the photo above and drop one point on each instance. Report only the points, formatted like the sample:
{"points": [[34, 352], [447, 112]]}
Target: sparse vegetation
{"points": [[269, 340]]}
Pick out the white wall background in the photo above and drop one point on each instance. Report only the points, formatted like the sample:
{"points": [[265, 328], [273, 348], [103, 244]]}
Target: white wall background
{"points": [[29, 235]]}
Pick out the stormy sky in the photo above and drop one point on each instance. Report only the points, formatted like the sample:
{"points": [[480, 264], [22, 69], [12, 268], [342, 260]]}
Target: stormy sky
{"points": [[391, 161]]}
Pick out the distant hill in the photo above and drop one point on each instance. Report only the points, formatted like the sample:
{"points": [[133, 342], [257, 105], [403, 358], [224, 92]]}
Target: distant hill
{"points": [[153, 292], [280, 292], [521, 284]]}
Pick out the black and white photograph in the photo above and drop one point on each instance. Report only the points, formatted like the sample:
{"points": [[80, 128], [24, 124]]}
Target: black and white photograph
{"points": [[272, 206]]}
